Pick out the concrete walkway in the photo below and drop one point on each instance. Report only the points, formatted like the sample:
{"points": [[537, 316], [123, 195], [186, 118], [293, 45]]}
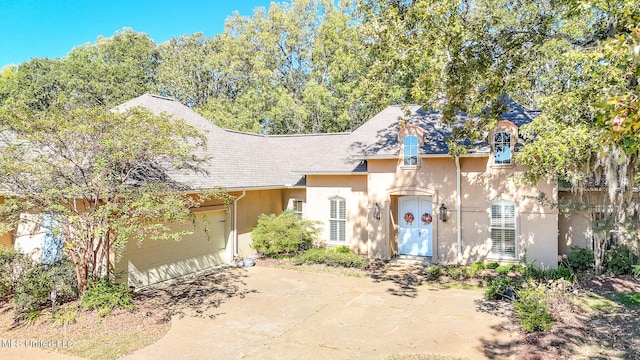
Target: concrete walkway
{"points": [[289, 314]]}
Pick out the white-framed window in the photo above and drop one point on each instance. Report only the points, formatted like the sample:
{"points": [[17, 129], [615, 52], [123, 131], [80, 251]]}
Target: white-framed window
{"points": [[503, 229], [296, 206], [337, 220], [502, 148], [410, 148]]}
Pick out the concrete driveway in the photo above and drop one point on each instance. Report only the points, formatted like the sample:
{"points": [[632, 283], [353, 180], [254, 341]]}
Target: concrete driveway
{"points": [[290, 314], [271, 313]]}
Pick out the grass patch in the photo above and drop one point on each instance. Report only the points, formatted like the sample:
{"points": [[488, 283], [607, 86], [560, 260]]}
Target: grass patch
{"points": [[593, 302], [630, 300], [455, 285], [108, 346]]}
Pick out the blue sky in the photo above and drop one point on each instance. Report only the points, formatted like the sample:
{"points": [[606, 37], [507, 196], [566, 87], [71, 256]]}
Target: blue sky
{"points": [[51, 28]]}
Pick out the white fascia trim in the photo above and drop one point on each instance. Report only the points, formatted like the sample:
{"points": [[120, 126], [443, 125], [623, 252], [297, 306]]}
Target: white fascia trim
{"points": [[248, 188]]}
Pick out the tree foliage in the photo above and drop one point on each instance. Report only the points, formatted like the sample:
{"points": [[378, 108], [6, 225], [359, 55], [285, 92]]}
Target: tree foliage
{"points": [[575, 60], [106, 73], [103, 176], [294, 68]]}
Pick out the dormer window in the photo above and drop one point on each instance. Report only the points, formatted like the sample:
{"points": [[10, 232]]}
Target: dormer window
{"points": [[410, 147], [502, 148]]}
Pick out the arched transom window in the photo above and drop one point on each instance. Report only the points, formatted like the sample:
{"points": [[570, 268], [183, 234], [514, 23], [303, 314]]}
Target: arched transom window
{"points": [[502, 147], [410, 147]]}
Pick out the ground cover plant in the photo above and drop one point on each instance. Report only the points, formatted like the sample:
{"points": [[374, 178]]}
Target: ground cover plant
{"points": [[340, 256], [105, 296]]}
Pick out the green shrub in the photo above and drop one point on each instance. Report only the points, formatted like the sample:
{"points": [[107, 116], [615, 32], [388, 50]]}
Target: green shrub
{"points": [[336, 257], [531, 310], [33, 291], [503, 269], [581, 259], [13, 267], [530, 271], [562, 272], [516, 267], [474, 270], [104, 296], [343, 249], [492, 265], [500, 287], [537, 274], [635, 270], [282, 234], [433, 272], [616, 261], [456, 272]]}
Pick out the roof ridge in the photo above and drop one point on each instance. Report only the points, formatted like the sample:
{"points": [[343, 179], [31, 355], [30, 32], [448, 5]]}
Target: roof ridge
{"points": [[160, 97], [282, 135]]}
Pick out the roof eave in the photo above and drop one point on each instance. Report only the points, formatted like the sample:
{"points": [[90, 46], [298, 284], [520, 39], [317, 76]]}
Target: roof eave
{"points": [[392, 156], [350, 173]]}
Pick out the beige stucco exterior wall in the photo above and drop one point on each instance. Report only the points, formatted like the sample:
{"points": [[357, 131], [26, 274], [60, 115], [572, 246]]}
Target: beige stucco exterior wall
{"points": [[574, 227], [536, 225], [481, 184], [353, 188]]}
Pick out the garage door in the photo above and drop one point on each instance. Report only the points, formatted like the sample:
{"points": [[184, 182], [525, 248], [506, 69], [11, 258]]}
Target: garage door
{"points": [[161, 260]]}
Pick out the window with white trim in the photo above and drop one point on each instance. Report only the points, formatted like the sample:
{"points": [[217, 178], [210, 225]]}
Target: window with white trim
{"points": [[296, 206], [503, 229], [502, 148], [337, 220], [410, 147]]}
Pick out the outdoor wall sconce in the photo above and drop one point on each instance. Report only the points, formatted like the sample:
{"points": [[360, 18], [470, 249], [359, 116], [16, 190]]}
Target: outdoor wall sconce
{"points": [[376, 211], [443, 212]]}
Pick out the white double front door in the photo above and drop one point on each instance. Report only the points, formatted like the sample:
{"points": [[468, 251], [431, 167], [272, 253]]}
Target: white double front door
{"points": [[415, 225]]}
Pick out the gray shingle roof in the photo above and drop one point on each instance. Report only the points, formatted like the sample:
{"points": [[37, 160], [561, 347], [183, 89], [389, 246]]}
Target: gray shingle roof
{"points": [[243, 160], [379, 136]]}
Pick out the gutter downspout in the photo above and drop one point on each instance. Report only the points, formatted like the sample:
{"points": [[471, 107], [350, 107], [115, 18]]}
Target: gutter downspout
{"points": [[458, 211], [235, 222]]}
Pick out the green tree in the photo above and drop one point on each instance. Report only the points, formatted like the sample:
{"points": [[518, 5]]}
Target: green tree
{"points": [[102, 175], [289, 69], [106, 73], [186, 71], [112, 70], [575, 60], [37, 83]]}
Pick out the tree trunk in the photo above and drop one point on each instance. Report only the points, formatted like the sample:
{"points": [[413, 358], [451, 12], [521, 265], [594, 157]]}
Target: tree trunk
{"points": [[600, 241]]}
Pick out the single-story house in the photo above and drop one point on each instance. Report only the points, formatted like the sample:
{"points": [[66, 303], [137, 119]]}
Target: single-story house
{"points": [[389, 188]]}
